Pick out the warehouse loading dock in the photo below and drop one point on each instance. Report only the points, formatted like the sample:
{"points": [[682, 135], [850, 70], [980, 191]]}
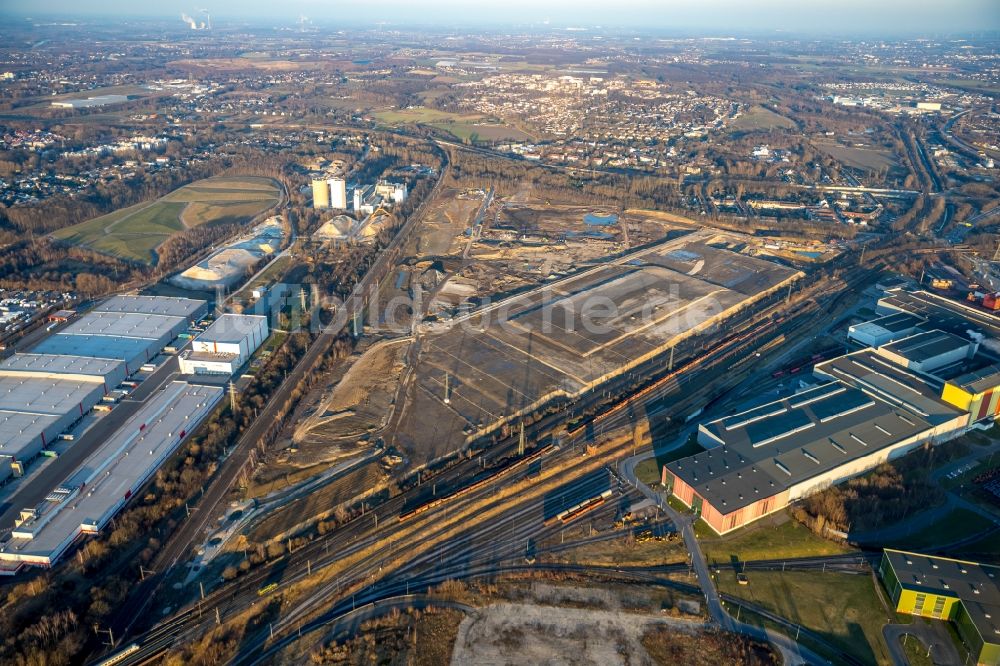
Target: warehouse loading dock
{"points": [[49, 392], [134, 338], [133, 329], [110, 476], [111, 372], [38, 406]]}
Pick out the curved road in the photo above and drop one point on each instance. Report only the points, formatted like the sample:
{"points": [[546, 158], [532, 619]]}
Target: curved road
{"points": [[792, 652]]}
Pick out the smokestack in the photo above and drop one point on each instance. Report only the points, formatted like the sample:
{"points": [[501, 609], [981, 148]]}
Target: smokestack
{"points": [[190, 21]]}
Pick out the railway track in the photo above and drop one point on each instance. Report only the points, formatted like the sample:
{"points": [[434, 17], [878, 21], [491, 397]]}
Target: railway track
{"points": [[364, 532], [238, 603]]}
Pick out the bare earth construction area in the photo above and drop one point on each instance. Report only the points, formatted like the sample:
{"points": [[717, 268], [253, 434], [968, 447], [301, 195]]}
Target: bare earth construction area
{"points": [[533, 634], [573, 334]]}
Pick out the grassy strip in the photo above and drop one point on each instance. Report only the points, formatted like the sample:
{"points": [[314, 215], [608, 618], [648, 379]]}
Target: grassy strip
{"points": [[844, 609], [768, 541]]}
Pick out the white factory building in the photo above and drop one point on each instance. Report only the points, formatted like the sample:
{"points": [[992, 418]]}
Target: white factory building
{"points": [[884, 330], [106, 480], [225, 345], [43, 396]]}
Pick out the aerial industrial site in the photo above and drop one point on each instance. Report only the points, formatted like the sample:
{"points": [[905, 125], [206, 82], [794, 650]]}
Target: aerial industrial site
{"points": [[405, 335]]}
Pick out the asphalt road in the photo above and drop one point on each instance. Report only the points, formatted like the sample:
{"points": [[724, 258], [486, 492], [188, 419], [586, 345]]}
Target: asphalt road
{"points": [[933, 638]]}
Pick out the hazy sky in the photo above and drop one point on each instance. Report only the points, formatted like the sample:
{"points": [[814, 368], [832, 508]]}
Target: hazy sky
{"points": [[711, 16]]}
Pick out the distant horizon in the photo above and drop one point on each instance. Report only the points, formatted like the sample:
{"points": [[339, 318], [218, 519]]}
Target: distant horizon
{"points": [[790, 18]]}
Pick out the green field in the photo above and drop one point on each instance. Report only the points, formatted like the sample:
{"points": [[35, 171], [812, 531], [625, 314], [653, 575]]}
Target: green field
{"points": [[476, 133], [461, 126], [766, 541], [843, 608], [759, 118], [422, 114], [648, 471], [975, 85], [134, 233]]}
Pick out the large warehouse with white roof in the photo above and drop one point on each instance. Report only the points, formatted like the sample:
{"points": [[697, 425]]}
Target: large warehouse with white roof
{"points": [[225, 345], [110, 371], [45, 393], [189, 308], [131, 337], [110, 476], [133, 329], [42, 396]]}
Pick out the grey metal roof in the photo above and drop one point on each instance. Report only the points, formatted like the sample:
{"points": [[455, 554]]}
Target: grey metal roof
{"points": [[98, 346], [116, 468], [231, 328], [21, 430], [942, 313], [977, 585], [802, 436], [866, 370], [33, 408], [900, 321], [44, 395], [979, 380], [926, 345], [164, 305], [125, 324], [61, 364], [891, 323]]}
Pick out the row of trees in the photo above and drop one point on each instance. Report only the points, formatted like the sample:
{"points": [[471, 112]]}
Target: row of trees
{"points": [[40, 263], [885, 495], [103, 197]]}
